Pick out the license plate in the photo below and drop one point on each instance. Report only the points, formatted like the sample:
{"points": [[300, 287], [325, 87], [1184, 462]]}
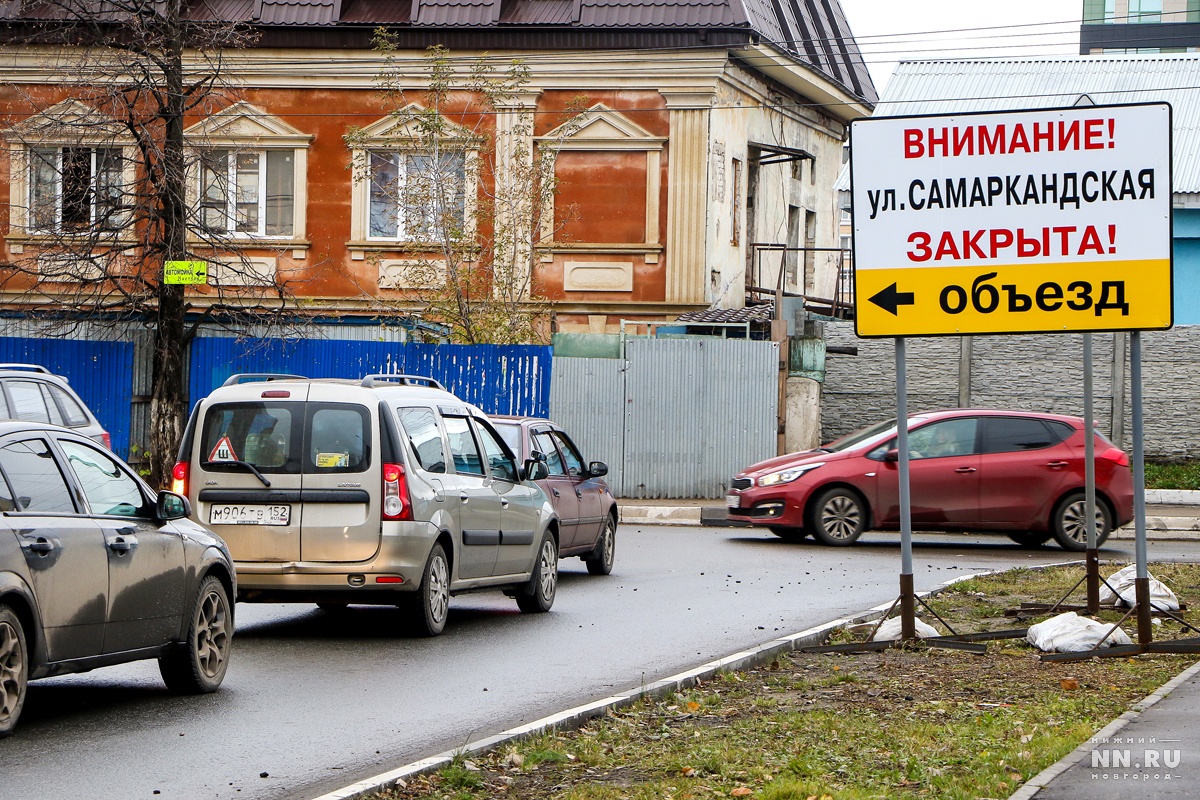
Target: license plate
{"points": [[733, 500], [229, 514]]}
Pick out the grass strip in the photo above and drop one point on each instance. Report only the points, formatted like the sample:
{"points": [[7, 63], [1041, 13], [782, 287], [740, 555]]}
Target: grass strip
{"points": [[915, 722]]}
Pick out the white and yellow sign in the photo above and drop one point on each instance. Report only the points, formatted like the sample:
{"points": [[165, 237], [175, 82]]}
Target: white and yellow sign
{"points": [[1051, 220]]}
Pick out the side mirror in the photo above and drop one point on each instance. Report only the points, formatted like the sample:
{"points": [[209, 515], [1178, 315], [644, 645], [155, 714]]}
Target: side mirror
{"points": [[597, 469], [892, 455], [171, 506], [535, 470], [537, 455]]}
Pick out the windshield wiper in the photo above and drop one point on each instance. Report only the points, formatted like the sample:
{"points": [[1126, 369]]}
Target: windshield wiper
{"points": [[245, 464]]}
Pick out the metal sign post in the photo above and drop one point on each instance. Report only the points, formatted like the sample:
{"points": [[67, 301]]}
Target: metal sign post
{"points": [[908, 605], [1092, 556]]}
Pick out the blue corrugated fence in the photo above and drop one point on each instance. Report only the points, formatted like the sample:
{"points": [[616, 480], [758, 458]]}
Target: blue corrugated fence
{"points": [[101, 373], [500, 379]]}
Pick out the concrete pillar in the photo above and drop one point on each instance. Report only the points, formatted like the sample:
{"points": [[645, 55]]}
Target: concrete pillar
{"points": [[803, 414], [687, 194]]}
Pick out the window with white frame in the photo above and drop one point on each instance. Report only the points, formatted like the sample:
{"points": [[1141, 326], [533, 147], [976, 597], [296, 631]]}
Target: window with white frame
{"points": [[416, 196], [248, 192], [73, 188]]}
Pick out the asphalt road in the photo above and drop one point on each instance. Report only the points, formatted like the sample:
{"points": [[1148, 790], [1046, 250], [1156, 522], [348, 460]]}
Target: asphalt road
{"points": [[314, 701]]}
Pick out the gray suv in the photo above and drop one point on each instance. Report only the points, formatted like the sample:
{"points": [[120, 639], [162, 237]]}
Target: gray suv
{"points": [[32, 393], [385, 490]]}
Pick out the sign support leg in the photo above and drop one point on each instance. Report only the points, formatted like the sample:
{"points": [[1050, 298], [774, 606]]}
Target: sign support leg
{"points": [[908, 608], [1141, 583], [1092, 557]]}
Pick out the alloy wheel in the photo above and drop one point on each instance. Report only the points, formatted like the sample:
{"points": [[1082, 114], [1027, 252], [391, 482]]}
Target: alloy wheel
{"points": [[840, 517], [1074, 521], [548, 569], [12, 667], [212, 634], [438, 589]]}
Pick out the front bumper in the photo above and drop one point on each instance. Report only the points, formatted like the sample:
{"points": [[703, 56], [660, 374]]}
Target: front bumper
{"points": [[765, 507]]}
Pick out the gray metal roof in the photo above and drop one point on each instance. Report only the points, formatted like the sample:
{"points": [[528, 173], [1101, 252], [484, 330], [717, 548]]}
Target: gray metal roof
{"points": [[942, 87], [811, 33]]}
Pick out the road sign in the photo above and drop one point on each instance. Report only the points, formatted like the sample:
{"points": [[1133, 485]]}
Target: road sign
{"points": [[185, 272], [1049, 220]]}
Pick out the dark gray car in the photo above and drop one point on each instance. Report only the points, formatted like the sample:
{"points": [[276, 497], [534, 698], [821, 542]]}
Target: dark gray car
{"points": [[98, 569]]}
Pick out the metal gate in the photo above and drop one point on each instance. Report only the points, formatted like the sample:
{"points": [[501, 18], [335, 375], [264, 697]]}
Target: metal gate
{"points": [[676, 417]]}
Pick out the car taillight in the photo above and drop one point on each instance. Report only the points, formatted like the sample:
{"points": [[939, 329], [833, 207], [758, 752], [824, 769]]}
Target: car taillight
{"points": [[396, 503], [1116, 455], [179, 478], [104, 437]]}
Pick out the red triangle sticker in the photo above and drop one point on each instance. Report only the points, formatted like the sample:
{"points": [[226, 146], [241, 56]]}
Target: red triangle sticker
{"points": [[223, 451]]}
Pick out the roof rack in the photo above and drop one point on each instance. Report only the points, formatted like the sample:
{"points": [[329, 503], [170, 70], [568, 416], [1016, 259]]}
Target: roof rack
{"points": [[247, 377], [407, 380], [28, 367]]}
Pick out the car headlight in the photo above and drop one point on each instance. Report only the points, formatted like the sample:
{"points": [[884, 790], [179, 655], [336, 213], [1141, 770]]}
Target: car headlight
{"points": [[787, 475]]}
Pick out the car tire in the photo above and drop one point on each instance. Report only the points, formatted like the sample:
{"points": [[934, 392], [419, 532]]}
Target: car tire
{"points": [[429, 606], [199, 665], [1030, 538], [788, 534], [537, 596], [600, 561], [14, 670], [1069, 522], [837, 517]]}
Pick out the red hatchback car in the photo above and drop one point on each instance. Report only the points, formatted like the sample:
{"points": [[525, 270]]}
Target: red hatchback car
{"points": [[1017, 473]]}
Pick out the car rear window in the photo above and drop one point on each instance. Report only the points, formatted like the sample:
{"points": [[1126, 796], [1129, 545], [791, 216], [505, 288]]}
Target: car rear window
{"points": [[338, 438], [420, 425], [75, 415], [1013, 434], [261, 434], [35, 478], [29, 404]]}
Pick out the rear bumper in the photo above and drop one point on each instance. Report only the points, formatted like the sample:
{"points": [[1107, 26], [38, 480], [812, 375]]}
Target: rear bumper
{"points": [[396, 567]]}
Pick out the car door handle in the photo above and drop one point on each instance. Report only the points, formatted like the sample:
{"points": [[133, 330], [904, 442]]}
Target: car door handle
{"points": [[504, 502], [42, 545], [556, 492], [463, 496], [579, 494], [120, 546], [965, 470], [1056, 464]]}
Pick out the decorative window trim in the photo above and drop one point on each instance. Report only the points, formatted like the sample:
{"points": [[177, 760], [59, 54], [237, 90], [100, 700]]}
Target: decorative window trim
{"points": [[392, 134], [69, 123], [601, 129], [243, 128]]}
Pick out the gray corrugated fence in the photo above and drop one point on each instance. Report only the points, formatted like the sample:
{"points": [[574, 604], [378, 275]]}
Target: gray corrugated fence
{"points": [[677, 417]]}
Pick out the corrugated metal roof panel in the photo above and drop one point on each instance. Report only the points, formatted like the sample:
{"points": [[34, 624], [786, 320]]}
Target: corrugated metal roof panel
{"points": [[436, 13], [942, 87], [376, 11], [539, 12], [299, 12], [224, 10]]}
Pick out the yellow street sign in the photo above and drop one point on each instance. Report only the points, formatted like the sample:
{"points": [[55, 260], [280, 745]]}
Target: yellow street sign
{"points": [[185, 272], [1050, 220]]}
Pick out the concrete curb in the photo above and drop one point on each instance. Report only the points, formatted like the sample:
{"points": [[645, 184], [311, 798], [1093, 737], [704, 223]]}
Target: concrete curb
{"points": [[576, 717], [1043, 778]]}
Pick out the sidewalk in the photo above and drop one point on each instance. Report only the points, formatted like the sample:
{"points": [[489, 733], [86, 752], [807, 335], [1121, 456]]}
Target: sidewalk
{"points": [[1170, 514], [1150, 752]]}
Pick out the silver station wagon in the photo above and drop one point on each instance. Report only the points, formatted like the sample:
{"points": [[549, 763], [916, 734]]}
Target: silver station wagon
{"points": [[385, 490]]}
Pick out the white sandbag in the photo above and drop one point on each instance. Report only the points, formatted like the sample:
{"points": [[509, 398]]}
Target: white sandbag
{"points": [[891, 629], [1071, 633], [1161, 596]]}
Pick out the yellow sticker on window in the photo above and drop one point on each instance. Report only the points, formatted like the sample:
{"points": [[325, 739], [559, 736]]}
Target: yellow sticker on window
{"points": [[333, 459]]}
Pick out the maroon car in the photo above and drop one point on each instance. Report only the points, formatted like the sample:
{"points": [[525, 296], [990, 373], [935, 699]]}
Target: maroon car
{"points": [[586, 509], [1017, 473]]}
